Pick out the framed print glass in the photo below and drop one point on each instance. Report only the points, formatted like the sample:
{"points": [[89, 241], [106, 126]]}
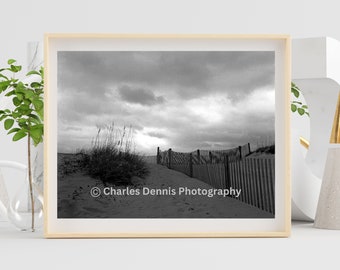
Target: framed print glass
{"points": [[167, 135]]}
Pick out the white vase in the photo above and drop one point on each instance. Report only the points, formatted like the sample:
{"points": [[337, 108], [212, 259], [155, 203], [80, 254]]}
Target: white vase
{"points": [[328, 210]]}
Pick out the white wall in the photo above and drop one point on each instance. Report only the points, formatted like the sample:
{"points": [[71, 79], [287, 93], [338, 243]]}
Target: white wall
{"points": [[23, 21]]}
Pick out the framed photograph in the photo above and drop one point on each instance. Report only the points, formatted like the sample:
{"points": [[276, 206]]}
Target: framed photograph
{"points": [[167, 135]]}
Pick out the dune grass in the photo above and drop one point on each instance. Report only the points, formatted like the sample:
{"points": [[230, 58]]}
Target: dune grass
{"points": [[112, 158]]}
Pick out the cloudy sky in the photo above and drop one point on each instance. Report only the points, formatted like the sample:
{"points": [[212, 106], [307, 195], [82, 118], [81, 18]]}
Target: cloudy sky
{"points": [[179, 100]]}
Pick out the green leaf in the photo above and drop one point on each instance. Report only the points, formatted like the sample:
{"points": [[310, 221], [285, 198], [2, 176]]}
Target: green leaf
{"points": [[36, 141], [293, 107], [36, 133], [19, 135], [8, 124], [3, 117], [15, 69], [27, 112], [13, 130], [20, 88], [11, 61], [41, 113], [39, 92], [301, 111], [33, 72], [16, 101], [29, 94], [37, 127], [38, 104], [16, 114], [295, 88], [297, 102], [24, 107], [22, 120], [4, 85], [3, 76], [296, 93], [35, 120], [305, 107], [23, 126], [10, 93], [34, 117], [27, 102], [35, 85]]}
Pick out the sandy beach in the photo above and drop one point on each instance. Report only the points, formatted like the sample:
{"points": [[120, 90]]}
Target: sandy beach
{"points": [[75, 200]]}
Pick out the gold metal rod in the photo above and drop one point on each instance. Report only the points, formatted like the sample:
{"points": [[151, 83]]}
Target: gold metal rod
{"points": [[335, 136], [304, 142]]}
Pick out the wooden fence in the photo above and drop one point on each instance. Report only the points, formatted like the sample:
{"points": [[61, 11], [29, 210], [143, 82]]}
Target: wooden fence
{"points": [[255, 176], [226, 169]]}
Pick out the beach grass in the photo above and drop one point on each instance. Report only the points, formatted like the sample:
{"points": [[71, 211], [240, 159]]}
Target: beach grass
{"points": [[112, 157]]}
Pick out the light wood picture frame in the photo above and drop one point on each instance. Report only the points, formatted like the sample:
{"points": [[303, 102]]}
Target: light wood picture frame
{"points": [[167, 135]]}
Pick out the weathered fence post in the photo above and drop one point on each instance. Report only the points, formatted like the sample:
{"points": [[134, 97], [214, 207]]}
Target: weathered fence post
{"points": [[169, 154], [190, 165], [249, 148], [210, 157], [227, 171], [240, 150], [158, 158], [198, 156]]}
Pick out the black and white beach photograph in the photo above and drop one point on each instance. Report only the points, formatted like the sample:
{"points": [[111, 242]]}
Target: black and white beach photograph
{"points": [[166, 134]]}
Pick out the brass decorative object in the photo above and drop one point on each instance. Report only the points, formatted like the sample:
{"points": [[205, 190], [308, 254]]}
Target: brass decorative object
{"points": [[335, 136], [304, 142]]}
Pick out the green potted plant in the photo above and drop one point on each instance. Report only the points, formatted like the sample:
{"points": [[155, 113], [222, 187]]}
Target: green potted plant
{"points": [[25, 118]]}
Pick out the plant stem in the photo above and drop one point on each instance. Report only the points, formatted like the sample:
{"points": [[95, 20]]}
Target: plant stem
{"points": [[30, 178]]}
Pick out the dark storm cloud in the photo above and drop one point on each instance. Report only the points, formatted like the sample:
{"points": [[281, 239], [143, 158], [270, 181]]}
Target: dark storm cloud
{"points": [[189, 74], [139, 95]]}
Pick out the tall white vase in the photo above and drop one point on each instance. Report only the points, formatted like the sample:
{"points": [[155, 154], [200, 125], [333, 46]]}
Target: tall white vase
{"points": [[328, 211]]}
